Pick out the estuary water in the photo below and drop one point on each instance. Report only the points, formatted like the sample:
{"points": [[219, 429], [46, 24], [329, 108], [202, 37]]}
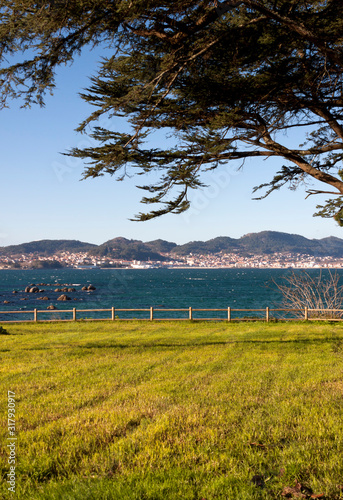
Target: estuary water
{"points": [[142, 288]]}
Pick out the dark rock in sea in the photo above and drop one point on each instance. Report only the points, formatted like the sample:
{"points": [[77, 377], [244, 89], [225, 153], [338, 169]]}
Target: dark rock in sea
{"points": [[64, 297], [14, 291], [24, 298], [43, 298], [27, 289], [34, 289], [58, 290], [41, 291], [91, 287], [65, 289], [71, 290], [6, 302], [84, 288], [51, 306]]}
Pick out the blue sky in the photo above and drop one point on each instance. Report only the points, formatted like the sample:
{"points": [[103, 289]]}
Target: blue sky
{"points": [[42, 196]]}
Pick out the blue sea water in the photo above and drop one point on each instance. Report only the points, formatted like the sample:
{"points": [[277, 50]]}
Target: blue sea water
{"points": [[143, 288]]}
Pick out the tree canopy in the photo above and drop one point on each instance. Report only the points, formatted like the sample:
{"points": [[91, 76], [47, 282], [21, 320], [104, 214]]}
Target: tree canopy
{"points": [[226, 79]]}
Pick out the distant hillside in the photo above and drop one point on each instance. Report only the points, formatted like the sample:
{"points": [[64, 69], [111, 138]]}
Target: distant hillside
{"points": [[222, 243], [122, 248], [268, 242], [273, 241], [161, 246], [265, 242], [47, 247]]}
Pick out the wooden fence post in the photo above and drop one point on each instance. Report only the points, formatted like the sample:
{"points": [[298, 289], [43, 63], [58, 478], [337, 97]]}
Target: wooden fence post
{"points": [[269, 316]]}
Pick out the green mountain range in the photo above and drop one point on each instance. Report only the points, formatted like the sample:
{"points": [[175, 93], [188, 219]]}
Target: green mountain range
{"points": [[121, 248], [265, 242], [47, 247]]}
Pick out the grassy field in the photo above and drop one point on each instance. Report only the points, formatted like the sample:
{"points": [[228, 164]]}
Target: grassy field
{"points": [[174, 410]]}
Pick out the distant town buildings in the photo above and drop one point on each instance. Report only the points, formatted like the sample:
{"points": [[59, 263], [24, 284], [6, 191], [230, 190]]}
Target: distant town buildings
{"points": [[218, 260]]}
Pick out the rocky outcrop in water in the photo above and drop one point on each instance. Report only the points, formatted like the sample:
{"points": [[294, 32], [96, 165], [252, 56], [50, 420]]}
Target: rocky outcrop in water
{"points": [[64, 297]]}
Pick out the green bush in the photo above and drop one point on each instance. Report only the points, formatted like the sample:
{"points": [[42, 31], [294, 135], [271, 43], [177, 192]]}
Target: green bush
{"points": [[3, 331]]}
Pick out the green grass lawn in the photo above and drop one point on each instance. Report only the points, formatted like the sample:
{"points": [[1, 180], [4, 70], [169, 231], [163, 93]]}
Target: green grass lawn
{"points": [[173, 410]]}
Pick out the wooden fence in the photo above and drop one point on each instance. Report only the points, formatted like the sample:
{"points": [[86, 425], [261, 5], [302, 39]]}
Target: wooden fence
{"points": [[152, 314]]}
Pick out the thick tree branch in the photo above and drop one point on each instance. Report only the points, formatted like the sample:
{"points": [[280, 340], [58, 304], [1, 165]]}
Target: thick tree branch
{"points": [[298, 28]]}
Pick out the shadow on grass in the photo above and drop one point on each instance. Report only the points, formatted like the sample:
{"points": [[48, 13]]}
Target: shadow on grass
{"points": [[178, 345]]}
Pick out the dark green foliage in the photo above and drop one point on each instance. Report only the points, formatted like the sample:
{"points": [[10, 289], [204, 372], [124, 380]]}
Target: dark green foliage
{"points": [[3, 331], [332, 208], [122, 248], [215, 245], [161, 245], [47, 247], [227, 79], [45, 264], [265, 242]]}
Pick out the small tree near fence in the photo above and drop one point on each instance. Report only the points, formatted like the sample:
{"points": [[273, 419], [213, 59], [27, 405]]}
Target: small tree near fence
{"points": [[322, 293]]}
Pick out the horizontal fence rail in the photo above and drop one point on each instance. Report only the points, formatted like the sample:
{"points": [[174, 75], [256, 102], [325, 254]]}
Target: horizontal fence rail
{"points": [[188, 313]]}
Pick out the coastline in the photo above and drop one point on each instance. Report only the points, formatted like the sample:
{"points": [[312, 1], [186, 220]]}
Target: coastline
{"points": [[173, 268]]}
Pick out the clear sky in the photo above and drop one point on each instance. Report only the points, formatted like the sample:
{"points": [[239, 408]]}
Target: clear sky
{"points": [[42, 196]]}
